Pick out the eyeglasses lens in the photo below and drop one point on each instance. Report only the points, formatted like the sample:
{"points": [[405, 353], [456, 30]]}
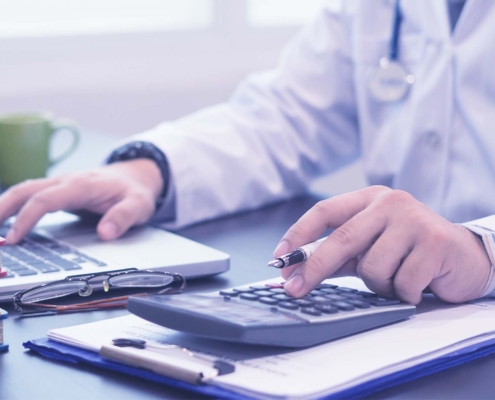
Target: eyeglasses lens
{"points": [[59, 289], [141, 280]]}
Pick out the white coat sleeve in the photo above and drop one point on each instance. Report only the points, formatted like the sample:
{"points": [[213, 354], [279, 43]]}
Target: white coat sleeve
{"points": [[279, 130], [485, 228]]}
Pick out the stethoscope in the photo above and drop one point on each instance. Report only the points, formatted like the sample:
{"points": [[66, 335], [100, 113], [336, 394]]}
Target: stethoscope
{"points": [[390, 81]]}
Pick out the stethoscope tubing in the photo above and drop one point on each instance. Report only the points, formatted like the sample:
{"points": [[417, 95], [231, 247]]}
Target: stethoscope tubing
{"points": [[393, 53]]}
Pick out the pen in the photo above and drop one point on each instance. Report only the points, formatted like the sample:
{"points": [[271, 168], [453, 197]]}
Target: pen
{"points": [[297, 256], [163, 361]]}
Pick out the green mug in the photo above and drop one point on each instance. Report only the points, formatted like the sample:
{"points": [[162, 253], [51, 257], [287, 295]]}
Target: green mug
{"points": [[25, 146]]}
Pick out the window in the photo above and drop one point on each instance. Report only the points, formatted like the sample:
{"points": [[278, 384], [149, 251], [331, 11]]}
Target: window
{"points": [[38, 18], [81, 46], [34, 18], [282, 12]]}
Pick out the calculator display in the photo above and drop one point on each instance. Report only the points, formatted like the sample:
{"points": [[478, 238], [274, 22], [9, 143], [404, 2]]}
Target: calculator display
{"points": [[232, 311]]}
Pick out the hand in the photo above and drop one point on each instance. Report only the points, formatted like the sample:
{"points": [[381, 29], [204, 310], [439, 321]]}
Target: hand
{"points": [[394, 243], [125, 192]]}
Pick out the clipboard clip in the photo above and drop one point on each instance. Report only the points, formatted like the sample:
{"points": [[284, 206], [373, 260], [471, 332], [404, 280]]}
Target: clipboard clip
{"points": [[124, 342], [198, 368]]}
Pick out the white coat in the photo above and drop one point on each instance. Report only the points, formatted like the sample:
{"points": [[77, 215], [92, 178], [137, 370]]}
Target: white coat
{"points": [[313, 114]]}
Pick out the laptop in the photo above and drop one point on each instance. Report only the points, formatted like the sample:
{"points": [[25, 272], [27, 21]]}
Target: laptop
{"points": [[63, 244]]}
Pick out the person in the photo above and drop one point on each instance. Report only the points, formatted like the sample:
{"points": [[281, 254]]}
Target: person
{"points": [[424, 223]]}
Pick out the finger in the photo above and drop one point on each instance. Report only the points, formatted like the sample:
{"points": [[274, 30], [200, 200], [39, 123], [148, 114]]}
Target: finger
{"points": [[343, 244], [287, 272], [128, 212], [377, 268], [54, 198], [15, 197], [415, 274], [326, 214], [349, 268]]}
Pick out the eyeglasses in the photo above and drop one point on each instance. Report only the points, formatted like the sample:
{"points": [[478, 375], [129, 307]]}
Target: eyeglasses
{"points": [[30, 302]]}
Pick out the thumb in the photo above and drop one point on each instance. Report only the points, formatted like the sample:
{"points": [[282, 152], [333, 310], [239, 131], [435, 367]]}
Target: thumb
{"points": [[123, 215]]}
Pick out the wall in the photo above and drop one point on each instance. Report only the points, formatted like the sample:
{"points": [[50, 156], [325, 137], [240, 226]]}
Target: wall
{"points": [[123, 84]]}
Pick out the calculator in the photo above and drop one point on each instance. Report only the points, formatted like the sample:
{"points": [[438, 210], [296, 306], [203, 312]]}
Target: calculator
{"points": [[265, 315]]}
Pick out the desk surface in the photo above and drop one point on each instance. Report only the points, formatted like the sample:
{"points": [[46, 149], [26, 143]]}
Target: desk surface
{"points": [[26, 376]]}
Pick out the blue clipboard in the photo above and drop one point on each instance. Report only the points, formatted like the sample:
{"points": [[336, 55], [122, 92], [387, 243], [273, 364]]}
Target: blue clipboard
{"points": [[62, 352], [74, 355]]}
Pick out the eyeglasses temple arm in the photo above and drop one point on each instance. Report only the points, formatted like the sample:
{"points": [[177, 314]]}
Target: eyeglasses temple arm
{"points": [[102, 303]]}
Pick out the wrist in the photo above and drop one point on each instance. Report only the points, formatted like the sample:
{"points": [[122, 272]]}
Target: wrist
{"points": [[145, 151], [482, 262], [147, 173], [486, 237]]}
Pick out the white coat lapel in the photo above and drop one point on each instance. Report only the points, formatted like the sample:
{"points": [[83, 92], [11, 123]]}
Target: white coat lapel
{"points": [[435, 19], [474, 14]]}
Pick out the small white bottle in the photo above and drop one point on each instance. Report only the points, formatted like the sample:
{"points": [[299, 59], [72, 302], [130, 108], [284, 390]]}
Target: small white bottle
{"points": [[3, 313], [2, 243]]}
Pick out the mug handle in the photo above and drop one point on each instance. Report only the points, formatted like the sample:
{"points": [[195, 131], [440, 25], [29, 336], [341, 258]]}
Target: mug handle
{"points": [[71, 127]]}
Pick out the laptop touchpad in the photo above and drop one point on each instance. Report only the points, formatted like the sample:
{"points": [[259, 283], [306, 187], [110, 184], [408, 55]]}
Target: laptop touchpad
{"points": [[144, 247]]}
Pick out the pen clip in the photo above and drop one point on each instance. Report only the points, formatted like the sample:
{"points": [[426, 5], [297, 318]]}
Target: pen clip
{"points": [[125, 342]]}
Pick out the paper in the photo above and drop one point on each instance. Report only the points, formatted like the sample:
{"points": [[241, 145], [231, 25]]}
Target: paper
{"points": [[436, 330]]}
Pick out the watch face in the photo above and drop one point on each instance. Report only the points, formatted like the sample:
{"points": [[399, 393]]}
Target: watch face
{"points": [[389, 81]]}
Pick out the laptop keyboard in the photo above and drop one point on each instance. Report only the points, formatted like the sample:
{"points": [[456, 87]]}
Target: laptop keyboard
{"points": [[38, 254]]}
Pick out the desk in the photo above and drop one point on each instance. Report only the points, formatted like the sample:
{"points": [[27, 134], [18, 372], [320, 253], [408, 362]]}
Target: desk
{"points": [[26, 376]]}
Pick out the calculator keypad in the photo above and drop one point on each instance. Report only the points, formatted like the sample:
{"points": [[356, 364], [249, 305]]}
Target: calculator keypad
{"points": [[324, 300], [288, 305], [303, 302], [229, 292], [359, 303], [283, 297], [268, 300], [327, 308], [249, 296], [243, 290], [311, 311]]}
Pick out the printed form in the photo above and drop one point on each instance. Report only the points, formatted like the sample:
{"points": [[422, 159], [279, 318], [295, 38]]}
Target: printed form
{"points": [[267, 372]]}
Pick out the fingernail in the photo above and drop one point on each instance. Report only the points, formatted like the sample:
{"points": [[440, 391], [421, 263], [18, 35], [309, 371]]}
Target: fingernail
{"points": [[11, 236], [282, 248], [109, 231], [294, 285]]}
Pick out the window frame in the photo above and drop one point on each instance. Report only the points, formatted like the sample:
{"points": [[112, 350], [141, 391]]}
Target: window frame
{"points": [[160, 59]]}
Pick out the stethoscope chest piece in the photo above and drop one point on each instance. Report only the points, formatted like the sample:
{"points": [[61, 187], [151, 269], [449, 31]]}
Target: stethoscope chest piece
{"points": [[389, 81]]}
